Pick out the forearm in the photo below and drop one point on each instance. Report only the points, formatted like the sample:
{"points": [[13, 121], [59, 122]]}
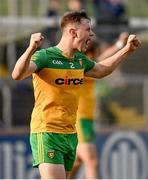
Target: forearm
{"points": [[113, 61], [108, 65], [107, 53], [22, 64]]}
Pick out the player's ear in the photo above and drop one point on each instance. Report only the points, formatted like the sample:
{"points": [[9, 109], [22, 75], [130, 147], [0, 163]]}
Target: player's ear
{"points": [[73, 32]]}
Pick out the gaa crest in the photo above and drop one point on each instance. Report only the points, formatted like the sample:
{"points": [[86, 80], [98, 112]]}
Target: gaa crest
{"points": [[81, 62], [51, 154]]}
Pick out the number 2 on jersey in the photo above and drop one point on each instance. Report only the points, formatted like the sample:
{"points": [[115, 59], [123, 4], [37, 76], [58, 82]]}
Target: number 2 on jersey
{"points": [[71, 65]]}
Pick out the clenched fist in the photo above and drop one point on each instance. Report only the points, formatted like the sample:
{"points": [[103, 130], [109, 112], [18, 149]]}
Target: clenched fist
{"points": [[36, 41], [132, 43]]}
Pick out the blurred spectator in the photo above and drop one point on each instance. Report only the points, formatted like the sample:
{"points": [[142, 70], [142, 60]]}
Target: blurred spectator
{"points": [[74, 5], [109, 88], [54, 8], [4, 71], [50, 33], [111, 19], [109, 11]]}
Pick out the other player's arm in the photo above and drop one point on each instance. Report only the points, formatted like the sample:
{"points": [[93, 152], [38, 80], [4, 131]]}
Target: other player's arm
{"points": [[24, 67], [120, 43], [108, 65]]}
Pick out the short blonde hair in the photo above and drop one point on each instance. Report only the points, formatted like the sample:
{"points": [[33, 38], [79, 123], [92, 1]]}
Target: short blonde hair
{"points": [[71, 17]]}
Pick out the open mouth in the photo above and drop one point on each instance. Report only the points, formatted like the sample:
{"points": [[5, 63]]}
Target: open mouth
{"points": [[87, 41]]}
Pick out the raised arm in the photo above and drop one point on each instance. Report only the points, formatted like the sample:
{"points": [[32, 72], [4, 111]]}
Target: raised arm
{"points": [[24, 67], [108, 65], [120, 43]]}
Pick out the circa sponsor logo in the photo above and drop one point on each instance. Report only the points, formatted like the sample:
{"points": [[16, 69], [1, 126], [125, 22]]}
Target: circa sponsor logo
{"points": [[69, 81]]}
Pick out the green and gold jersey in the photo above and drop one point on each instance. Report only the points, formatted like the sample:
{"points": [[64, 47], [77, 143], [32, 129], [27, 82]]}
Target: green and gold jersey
{"points": [[57, 83], [87, 99], [86, 111]]}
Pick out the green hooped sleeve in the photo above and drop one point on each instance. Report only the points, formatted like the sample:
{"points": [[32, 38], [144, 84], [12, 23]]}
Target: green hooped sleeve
{"points": [[39, 58], [88, 64]]}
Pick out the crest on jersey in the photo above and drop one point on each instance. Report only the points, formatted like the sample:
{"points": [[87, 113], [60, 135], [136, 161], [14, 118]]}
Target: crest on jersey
{"points": [[81, 62], [51, 154]]}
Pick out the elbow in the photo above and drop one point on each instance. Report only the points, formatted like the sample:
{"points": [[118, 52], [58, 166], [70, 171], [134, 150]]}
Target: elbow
{"points": [[105, 73], [104, 70], [109, 72], [16, 76]]}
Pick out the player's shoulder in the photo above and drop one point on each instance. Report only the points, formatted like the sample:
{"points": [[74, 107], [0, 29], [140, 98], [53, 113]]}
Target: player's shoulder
{"points": [[52, 51], [81, 55], [47, 51]]}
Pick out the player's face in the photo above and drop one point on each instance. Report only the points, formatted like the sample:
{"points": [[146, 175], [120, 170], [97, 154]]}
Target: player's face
{"points": [[84, 35]]}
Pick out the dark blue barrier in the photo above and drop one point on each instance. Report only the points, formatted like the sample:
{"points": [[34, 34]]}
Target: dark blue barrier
{"points": [[15, 155], [122, 154]]}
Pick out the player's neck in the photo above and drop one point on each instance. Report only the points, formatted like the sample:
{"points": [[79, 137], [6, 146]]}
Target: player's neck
{"points": [[66, 48], [67, 51]]}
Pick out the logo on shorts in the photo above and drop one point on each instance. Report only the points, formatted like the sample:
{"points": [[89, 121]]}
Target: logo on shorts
{"points": [[51, 154]]}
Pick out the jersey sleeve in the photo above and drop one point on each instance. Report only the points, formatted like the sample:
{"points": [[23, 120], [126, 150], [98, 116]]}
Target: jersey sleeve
{"points": [[39, 58], [88, 64]]}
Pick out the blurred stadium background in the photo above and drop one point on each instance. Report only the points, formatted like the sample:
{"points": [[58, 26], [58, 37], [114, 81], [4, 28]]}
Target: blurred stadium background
{"points": [[122, 110]]}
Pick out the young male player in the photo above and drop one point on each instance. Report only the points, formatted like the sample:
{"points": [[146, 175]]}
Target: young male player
{"points": [[86, 150], [58, 74]]}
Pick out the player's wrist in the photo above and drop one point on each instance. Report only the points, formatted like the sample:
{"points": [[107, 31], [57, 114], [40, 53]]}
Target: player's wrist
{"points": [[31, 48], [119, 44], [127, 49]]}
